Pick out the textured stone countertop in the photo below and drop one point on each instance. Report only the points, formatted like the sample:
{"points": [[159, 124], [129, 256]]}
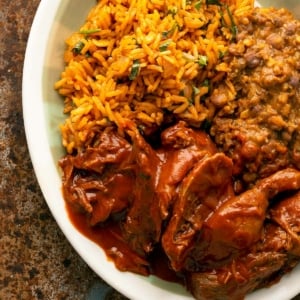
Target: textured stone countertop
{"points": [[36, 261]]}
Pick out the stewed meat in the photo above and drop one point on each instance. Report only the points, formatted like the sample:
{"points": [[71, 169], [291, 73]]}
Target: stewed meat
{"points": [[142, 226], [237, 224], [116, 176], [158, 175], [182, 148], [200, 194], [276, 252], [234, 280], [100, 179], [179, 197]]}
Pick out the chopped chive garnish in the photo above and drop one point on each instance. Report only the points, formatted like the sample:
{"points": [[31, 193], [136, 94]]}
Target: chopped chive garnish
{"points": [[198, 4], [163, 47], [202, 60], [135, 69], [172, 11], [167, 33], [195, 90], [206, 83], [222, 54], [78, 47], [233, 28], [213, 2], [89, 31]]}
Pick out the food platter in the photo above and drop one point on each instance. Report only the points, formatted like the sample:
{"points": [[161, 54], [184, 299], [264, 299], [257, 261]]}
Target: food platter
{"points": [[42, 109]]}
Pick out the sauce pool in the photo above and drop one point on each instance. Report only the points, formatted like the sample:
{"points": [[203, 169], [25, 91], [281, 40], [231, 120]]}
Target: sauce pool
{"points": [[109, 238]]}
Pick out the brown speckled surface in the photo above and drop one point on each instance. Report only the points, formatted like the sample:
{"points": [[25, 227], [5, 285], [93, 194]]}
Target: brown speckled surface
{"points": [[36, 261]]}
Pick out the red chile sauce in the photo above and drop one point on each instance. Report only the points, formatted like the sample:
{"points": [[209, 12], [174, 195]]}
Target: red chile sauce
{"points": [[110, 237]]}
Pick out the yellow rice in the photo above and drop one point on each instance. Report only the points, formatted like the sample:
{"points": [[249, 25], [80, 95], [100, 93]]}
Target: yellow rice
{"points": [[133, 61]]}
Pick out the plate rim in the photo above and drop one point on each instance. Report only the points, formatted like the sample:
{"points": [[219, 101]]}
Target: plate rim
{"points": [[36, 127]]}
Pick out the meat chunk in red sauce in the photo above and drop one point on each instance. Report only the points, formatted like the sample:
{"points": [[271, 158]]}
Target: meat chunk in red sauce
{"points": [[100, 180], [131, 176], [287, 215], [142, 226], [158, 174], [182, 148], [181, 194], [237, 224], [206, 186], [235, 280], [275, 253]]}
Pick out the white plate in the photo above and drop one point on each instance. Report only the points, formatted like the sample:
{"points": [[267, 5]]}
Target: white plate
{"points": [[42, 109]]}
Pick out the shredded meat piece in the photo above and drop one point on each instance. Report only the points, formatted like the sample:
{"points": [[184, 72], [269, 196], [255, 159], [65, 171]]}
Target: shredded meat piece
{"points": [[142, 226], [91, 178], [182, 149], [200, 193], [117, 175]]}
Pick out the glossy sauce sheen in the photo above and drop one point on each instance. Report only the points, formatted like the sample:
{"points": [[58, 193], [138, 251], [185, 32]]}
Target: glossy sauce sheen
{"points": [[109, 237], [172, 212]]}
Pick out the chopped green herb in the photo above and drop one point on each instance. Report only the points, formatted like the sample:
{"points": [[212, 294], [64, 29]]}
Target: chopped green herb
{"points": [[234, 31], [78, 47], [233, 28], [213, 2], [198, 4], [223, 23], [195, 90], [172, 11], [222, 54], [202, 60], [163, 47], [167, 33], [206, 83], [135, 69], [206, 125], [191, 101], [89, 31]]}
